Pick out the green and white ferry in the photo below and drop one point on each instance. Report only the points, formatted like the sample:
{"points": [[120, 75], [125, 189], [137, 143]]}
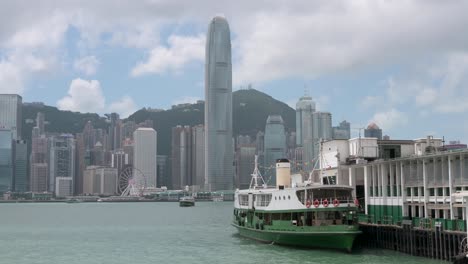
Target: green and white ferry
{"points": [[294, 213]]}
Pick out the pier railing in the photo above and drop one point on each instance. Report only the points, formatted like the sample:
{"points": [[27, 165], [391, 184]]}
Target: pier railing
{"points": [[416, 222]]}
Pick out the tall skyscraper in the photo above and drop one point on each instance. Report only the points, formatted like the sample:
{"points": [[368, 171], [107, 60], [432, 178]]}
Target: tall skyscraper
{"points": [[305, 107], [218, 107], [373, 131], [20, 166], [342, 131], [322, 130], [62, 163], [11, 118], [6, 160], [40, 122], [198, 156], [275, 146], [39, 162], [245, 163], [144, 156], [162, 170], [181, 157]]}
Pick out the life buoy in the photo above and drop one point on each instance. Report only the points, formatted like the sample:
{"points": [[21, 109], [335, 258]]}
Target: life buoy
{"points": [[316, 203], [308, 204], [356, 202], [336, 202], [325, 203]]}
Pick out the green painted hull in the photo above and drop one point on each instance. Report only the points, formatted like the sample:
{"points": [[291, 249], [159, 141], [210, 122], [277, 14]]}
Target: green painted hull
{"points": [[339, 240], [186, 203]]}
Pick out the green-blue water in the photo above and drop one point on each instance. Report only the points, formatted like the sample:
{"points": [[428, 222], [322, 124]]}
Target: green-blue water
{"points": [[148, 233]]}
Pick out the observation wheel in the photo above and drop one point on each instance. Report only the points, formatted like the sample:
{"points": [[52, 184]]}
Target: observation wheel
{"points": [[132, 182]]}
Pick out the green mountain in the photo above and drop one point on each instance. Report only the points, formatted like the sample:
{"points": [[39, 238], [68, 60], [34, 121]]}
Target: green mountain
{"points": [[250, 111]]}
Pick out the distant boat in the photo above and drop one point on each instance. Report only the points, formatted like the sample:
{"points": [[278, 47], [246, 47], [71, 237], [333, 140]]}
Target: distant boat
{"points": [[186, 201], [217, 197], [73, 200]]}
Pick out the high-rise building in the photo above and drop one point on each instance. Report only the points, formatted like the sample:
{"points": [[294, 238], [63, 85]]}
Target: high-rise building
{"points": [[11, 118], [128, 149], [342, 131], [114, 131], [275, 146], [119, 160], [144, 156], [162, 170], [373, 131], [40, 122], [20, 166], [305, 107], [181, 157], [39, 163], [100, 180], [80, 164], [6, 160], [321, 130], [198, 156], [61, 162], [245, 163], [127, 129], [218, 107], [63, 186]]}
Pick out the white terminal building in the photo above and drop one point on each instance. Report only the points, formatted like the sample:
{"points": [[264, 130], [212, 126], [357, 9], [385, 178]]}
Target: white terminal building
{"points": [[396, 179]]}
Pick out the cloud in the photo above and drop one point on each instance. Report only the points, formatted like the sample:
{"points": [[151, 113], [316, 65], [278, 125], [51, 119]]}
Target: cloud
{"points": [[180, 51], [10, 78], [87, 65], [391, 119], [83, 96], [125, 106], [186, 100]]}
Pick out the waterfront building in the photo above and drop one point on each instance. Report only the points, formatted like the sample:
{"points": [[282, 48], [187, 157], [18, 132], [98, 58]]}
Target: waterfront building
{"points": [[342, 131], [198, 156], [162, 169], [99, 180], [120, 160], [61, 161], [245, 163], [275, 146], [218, 107], [6, 160], [39, 162], [181, 157], [63, 186], [20, 166], [145, 152], [373, 130], [11, 117]]}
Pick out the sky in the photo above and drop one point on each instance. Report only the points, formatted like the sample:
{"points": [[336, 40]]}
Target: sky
{"points": [[400, 64]]}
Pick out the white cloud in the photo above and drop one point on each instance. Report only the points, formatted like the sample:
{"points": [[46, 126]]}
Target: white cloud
{"points": [[181, 51], [83, 96], [391, 119], [125, 106], [87, 65], [10, 78], [186, 100]]}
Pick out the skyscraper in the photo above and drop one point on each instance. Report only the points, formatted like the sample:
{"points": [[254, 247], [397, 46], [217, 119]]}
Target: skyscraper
{"points": [[342, 131], [61, 163], [11, 113], [305, 107], [181, 157], [218, 107], [198, 155], [275, 146], [322, 130], [144, 155], [20, 166], [6, 160]]}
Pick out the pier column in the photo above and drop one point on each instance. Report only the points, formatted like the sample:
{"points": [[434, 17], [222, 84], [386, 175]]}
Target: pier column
{"points": [[450, 186], [403, 190], [424, 164], [366, 188], [352, 180]]}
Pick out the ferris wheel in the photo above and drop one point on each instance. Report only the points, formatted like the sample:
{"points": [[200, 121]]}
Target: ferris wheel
{"points": [[132, 182]]}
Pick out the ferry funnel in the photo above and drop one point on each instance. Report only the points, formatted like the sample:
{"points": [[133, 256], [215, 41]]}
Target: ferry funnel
{"points": [[283, 173]]}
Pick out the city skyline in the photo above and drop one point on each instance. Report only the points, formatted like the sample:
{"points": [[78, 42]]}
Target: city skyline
{"points": [[125, 57]]}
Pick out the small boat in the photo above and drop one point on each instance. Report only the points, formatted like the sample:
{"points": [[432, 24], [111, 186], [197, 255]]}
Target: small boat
{"points": [[73, 200], [186, 201]]}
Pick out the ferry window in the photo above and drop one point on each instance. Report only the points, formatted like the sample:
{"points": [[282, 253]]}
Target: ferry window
{"points": [[431, 191], [289, 197], [279, 197], [244, 200], [284, 197], [263, 199], [275, 197], [440, 191], [447, 191]]}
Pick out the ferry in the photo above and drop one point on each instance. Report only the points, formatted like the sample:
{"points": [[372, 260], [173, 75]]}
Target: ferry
{"points": [[299, 214], [187, 201]]}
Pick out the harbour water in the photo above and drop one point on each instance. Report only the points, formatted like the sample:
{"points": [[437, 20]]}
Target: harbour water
{"points": [[59, 233]]}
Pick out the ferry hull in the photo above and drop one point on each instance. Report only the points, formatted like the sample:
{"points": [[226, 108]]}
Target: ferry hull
{"points": [[338, 240], [186, 203]]}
